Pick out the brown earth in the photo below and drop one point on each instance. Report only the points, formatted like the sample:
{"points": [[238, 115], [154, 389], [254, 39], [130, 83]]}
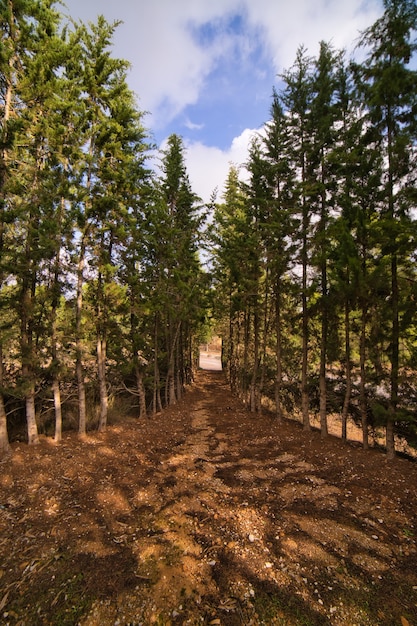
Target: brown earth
{"points": [[206, 514]]}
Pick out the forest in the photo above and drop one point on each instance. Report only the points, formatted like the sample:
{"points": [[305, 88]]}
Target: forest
{"points": [[113, 271]]}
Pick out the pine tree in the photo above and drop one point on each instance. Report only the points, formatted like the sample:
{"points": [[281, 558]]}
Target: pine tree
{"points": [[324, 120], [35, 61], [111, 131], [229, 238], [173, 247], [297, 98], [277, 225], [390, 88]]}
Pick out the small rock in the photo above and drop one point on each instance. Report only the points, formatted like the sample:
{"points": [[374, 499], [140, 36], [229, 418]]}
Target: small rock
{"points": [[251, 538]]}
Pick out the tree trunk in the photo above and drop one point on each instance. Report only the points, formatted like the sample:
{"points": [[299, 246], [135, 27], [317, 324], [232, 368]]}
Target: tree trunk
{"points": [[232, 365], [389, 433], [348, 372], [304, 364], [4, 436], [253, 392], [245, 368], [278, 353], [362, 388], [82, 408], [323, 356], [54, 340], [157, 402], [58, 409], [32, 428], [171, 378], [101, 370], [28, 359], [179, 369], [141, 391]]}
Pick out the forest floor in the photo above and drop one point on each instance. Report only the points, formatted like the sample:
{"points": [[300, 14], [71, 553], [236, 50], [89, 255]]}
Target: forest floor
{"points": [[206, 514]]}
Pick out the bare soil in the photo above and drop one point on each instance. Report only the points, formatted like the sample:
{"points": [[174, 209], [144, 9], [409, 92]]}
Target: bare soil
{"points": [[207, 514]]}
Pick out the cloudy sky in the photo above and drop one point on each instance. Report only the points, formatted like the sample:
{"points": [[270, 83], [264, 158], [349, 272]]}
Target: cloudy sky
{"points": [[205, 69]]}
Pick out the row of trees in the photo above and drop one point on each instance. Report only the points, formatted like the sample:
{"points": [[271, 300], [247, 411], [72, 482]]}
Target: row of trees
{"points": [[101, 288], [100, 283], [317, 252]]}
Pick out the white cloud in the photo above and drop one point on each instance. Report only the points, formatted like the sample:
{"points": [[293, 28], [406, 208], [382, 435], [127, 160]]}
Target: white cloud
{"points": [[208, 167], [192, 125], [170, 67], [287, 25]]}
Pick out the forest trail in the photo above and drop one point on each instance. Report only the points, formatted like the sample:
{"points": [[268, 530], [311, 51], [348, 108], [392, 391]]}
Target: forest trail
{"points": [[206, 514]]}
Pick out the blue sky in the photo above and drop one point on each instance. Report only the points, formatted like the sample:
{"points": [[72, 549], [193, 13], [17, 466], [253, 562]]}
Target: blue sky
{"points": [[205, 69]]}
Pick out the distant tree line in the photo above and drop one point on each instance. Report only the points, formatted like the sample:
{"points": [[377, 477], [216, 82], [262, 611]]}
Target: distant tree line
{"points": [[316, 254], [100, 280]]}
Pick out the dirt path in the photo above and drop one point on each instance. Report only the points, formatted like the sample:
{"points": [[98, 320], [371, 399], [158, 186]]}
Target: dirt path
{"points": [[206, 515]]}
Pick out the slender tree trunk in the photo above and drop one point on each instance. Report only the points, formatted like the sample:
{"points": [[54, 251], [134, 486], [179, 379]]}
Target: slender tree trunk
{"points": [[245, 368], [265, 333], [141, 391], [54, 340], [322, 384], [304, 364], [362, 388], [157, 402], [171, 395], [27, 352], [178, 373], [33, 437], [27, 368], [232, 365], [324, 321], [278, 353], [102, 381], [392, 409], [348, 372], [4, 436], [58, 409], [395, 331], [254, 380], [82, 405]]}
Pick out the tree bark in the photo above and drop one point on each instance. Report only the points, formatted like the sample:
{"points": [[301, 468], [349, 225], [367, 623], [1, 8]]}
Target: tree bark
{"points": [[304, 364], [101, 370], [253, 393], [82, 409], [157, 402], [4, 436], [389, 431], [348, 373], [141, 391], [362, 388], [58, 409], [32, 428], [278, 354]]}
